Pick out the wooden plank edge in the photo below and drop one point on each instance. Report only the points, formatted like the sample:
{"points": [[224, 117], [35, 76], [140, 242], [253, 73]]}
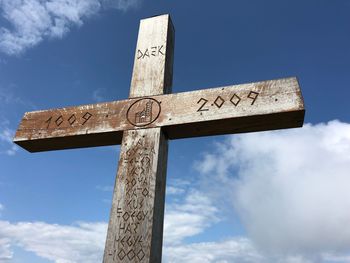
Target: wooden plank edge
{"points": [[70, 142], [256, 123]]}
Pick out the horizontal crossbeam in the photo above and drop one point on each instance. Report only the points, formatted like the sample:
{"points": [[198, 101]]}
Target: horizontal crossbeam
{"points": [[259, 106]]}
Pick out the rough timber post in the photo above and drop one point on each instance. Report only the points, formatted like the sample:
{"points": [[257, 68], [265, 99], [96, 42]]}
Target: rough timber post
{"points": [[135, 230]]}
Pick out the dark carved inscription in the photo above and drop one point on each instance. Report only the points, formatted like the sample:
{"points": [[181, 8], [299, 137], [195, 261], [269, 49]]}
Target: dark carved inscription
{"points": [[59, 121], [48, 122], [253, 95], [154, 51], [235, 99], [203, 102], [130, 242], [86, 117], [72, 119], [220, 101], [143, 112]]}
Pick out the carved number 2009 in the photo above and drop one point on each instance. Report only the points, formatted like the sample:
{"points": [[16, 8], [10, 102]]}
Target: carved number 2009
{"points": [[219, 101]]}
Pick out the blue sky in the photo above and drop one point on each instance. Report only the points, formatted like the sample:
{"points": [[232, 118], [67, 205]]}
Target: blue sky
{"points": [[279, 196]]}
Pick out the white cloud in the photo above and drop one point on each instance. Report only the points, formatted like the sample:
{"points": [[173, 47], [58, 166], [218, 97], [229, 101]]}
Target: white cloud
{"points": [[121, 4], [290, 188], [5, 252], [32, 21], [62, 244], [7, 97], [188, 212], [84, 242], [98, 94], [6, 136], [188, 217], [177, 187], [8, 100], [235, 250], [172, 190]]}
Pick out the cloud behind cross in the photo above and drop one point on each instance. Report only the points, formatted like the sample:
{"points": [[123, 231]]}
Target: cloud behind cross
{"points": [[32, 21]]}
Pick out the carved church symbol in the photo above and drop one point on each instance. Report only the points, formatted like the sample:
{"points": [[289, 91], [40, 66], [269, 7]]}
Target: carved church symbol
{"points": [[143, 112], [144, 116]]}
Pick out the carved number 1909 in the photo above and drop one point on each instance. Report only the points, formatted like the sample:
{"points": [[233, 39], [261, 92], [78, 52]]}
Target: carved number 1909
{"points": [[71, 120]]}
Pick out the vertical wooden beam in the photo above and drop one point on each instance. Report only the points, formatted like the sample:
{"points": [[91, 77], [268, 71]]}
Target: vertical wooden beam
{"points": [[153, 63], [135, 231]]}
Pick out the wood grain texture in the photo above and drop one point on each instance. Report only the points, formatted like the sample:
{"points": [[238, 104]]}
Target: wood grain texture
{"points": [[265, 105], [153, 63], [135, 230]]}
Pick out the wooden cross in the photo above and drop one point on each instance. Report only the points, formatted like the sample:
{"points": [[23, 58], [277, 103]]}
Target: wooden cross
{"points": [[143, 124]]}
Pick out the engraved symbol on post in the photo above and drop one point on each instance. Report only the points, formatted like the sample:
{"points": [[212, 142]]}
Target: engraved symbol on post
{"points": [[59, 121], [235, 99], [72, 119], [86, 117], [253, 95], [145, 115], [143, 112]]}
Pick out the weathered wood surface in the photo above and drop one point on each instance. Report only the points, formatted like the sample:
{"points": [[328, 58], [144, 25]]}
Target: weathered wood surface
{"points": [[265, 105], [135, 230], [154, 56]]}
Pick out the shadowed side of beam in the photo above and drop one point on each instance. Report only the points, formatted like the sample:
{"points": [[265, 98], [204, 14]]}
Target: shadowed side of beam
{"points": [[277, 121], [72, 142]]}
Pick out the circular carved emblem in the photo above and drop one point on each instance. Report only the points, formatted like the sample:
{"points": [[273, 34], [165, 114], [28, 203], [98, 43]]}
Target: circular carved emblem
{"points": [[143, 112]]}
